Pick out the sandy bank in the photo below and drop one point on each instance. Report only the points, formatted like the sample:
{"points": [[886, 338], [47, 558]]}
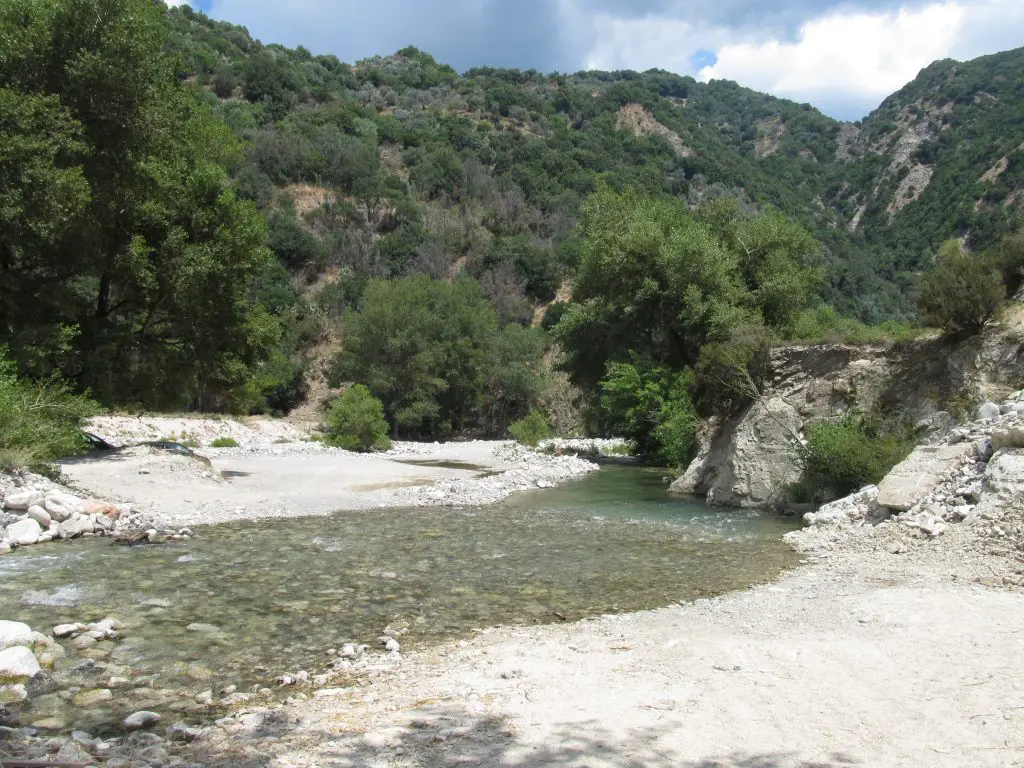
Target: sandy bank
{"points": [[297, 479]]}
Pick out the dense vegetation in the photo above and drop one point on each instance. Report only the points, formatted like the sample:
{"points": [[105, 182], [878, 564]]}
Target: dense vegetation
{"points": [[191, 219]]}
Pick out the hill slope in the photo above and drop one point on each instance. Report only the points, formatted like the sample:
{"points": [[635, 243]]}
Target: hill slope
{"points": [[398, 164]]}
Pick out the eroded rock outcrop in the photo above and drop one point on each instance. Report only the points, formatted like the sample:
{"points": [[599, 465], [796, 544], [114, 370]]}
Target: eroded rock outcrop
{"points": [[747, 461], [750, 461]]}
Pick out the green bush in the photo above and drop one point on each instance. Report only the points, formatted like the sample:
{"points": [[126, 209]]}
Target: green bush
{"points": [[962, 292], [355, 421], [652, 408], [224, 442], [822, 324], [531, 429], [841, 457], [38, 422]]}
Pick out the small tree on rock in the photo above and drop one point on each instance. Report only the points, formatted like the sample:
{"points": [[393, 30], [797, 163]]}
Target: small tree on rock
{"points": [[356, 421], [962, 292]]}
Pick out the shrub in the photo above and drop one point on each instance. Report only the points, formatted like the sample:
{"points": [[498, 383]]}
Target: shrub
{"points": [[843, 456], [962, 292], [224, 442], [531, 429], [355, 421], [39, 422]]}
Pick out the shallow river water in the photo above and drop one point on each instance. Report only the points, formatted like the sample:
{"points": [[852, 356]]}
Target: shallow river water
{"points": [[244, 602]]}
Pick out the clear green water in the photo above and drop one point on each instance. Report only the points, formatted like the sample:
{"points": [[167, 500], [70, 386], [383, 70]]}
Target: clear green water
{"points": [[277, 594]]}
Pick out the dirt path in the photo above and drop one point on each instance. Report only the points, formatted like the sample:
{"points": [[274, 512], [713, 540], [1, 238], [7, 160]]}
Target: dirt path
{"points": [[874, 661]]}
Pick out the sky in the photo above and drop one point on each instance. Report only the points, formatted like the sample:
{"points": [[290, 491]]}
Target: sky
{"points": [[842, 56]]}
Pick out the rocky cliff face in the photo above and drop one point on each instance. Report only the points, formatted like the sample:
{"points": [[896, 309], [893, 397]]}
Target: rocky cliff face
{"points": [[747, 461]]}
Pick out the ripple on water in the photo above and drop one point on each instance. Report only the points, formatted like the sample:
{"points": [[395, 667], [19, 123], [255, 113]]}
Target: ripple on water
{"points": [[245, 602]]}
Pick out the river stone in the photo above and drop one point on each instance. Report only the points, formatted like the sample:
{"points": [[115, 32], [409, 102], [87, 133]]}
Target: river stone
{"points": [[95, 698], [76, 526], [142, 719], [1004, 485], [919, 474], [851, 510], [18, 665], [1011, 436], [14, 633], [183, 732], [24, 532], [58, 510], [21, 501], [68, 630], [987, 411], [40, 515], [13, 694]]}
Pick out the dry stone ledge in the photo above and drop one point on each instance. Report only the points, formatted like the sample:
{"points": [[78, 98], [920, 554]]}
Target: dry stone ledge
{"points": [[919, 474]]}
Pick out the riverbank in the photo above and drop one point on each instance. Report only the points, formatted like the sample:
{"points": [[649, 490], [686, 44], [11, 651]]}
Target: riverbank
{"points": [[309, 478], [863, 657]]}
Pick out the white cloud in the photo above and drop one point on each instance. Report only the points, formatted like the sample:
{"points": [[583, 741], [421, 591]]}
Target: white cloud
{"points": [[863, 54], [844, 61]]}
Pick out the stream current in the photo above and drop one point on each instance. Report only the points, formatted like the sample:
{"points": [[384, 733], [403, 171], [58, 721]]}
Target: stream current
{"points": [[242, 603]]}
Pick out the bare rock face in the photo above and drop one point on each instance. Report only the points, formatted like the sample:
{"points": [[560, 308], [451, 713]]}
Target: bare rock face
{"points": [[749, 463], [919, 474]]}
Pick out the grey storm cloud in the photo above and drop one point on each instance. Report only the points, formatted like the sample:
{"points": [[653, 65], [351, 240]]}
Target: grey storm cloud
{"points": [[769, 16], [463, 33], [513, 33]]}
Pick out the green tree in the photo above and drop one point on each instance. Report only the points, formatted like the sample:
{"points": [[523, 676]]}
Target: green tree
{"points": [[657, 282], [962, 292], [39, 422], [531, 429], [137, 285], [355, 421], [427, 348]]}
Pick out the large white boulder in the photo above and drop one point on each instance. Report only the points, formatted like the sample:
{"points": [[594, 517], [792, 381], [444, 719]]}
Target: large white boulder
{"points": [[14, 633], [40, 515], [910, 481], [22, 500], [59, 510], [760, 457], [24, 532], [18, 665]]}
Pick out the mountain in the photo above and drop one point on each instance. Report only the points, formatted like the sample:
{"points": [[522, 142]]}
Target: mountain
{"points": [[398, 164], [941, 157]]}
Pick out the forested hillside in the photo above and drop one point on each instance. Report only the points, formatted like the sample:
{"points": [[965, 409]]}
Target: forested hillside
{"points": [[193, 219]]}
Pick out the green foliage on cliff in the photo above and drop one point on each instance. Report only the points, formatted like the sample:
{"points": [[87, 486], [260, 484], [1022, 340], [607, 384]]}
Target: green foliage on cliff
{"points": [[658, 281], [843, 456], [963, 291]]}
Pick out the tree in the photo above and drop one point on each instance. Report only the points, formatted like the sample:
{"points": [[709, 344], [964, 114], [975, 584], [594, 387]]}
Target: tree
{"points": [[433, 353], [355, 421], [659, 283], [962, 292], [125, 260]]}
